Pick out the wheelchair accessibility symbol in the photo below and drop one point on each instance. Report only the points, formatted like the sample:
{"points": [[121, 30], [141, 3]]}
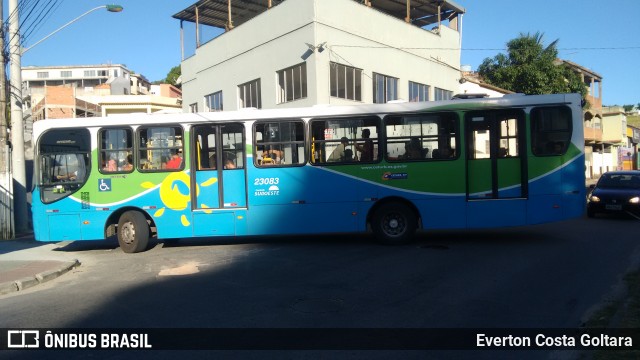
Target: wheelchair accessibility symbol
{"points": [[104, 185]]}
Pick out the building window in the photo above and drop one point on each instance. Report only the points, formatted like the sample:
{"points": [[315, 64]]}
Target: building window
{"points": [[418, 92], [116, 73], [116, 150], [193, 108], [65, 74], [385, 88], [43, 74], [103, 72], [345, 82], [89, 73], [249, 95], [292, 83], [213, 102], [441, 94]]}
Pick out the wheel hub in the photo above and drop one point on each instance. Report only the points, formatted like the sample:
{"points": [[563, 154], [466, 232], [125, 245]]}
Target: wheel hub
{"points": [[128, 233], [394, 224]]}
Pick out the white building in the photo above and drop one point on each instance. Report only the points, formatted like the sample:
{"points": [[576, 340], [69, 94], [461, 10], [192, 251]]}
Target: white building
{"points": [[472, 83], [82, 77], [306, 52]]}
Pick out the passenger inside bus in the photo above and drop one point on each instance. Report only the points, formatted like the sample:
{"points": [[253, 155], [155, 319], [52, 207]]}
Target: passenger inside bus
{"points": [[110, 166], [175, 162], [128, 163], [412, 151], [229, 164], [212, 162], [72, 176], [272, 157], [348, 155], [338, 153], [76, 175], [366, 149]]}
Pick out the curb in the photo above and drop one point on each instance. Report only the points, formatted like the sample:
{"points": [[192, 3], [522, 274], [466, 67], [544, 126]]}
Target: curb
{"points": [[30, 281]]}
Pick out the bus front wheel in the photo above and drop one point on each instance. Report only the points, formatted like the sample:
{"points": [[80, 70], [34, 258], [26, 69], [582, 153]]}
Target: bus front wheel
{"points": [[133, 232], [394, 224]]}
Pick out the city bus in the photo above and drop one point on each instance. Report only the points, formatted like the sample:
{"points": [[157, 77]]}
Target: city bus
{"points": [[389, 169]]}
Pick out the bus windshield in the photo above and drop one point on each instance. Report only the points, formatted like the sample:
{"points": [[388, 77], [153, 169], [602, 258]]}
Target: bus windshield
{"points": [[64, 160]]}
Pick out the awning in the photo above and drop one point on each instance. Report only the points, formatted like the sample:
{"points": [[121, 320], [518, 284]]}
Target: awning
{"points": [[216, 12]]}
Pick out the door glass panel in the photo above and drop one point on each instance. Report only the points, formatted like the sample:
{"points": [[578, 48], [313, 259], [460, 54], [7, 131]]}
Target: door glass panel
{"points": [[493, 145], [207, 179]]}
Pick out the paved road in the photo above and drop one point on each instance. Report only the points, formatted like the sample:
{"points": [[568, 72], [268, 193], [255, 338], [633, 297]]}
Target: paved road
{"points": [[539, 276]]}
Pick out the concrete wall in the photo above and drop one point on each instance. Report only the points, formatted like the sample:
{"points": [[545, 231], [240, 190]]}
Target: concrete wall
{"points": [[368, 39], [614, 125], [356, 35], [256, 49]]}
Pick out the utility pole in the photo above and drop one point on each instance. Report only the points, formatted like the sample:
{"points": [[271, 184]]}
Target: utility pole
{"points": [[17, 123], [3, 95], [6, 180]]}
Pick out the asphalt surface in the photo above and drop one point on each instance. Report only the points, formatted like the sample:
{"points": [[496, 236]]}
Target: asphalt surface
{"points": [[25, 263]]}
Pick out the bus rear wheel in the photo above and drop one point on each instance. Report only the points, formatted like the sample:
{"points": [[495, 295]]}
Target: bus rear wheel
{"points": [[133, 232], [394, 224]]}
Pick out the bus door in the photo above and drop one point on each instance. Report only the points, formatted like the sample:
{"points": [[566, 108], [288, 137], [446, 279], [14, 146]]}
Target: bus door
{"points": [[219, 179], [496, 168]]}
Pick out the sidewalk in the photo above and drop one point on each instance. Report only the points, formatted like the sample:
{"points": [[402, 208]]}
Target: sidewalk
{"points": [[25, 263]]}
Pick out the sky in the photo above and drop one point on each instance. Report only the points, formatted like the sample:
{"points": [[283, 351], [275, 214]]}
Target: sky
{"points": [[599, 35]]}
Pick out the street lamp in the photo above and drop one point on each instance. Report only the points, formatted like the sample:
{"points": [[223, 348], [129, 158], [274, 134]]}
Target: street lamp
{"points": [[17, 122], [110, 8]]}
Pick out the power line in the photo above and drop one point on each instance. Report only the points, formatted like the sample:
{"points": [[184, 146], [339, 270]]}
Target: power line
{"points": [[45, 13], [28, 24], [484, 49]]}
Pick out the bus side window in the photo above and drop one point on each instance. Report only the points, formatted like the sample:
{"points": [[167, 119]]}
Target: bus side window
{"points": [[233, 146], [115, 150], [345, 140], [421, 137], [279, 143], [157, 145], [550, 130]]}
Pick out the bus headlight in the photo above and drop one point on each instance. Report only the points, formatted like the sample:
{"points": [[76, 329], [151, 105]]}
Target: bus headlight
{"points": [[634, 200], [594, 198]]}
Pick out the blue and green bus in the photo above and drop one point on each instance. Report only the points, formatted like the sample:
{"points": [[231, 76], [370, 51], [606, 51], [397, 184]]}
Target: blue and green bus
{"points": [[386, 168]]}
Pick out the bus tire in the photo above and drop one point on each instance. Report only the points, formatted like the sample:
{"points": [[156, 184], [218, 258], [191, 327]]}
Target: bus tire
{"points": [[394, 224], [133, 232]]}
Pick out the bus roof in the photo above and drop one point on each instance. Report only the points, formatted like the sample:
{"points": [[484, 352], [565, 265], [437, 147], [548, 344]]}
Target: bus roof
{"points": [[306, 112]]}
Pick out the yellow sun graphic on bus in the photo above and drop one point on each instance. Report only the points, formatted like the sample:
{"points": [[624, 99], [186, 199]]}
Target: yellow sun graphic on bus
{"points": [[175, 193]]}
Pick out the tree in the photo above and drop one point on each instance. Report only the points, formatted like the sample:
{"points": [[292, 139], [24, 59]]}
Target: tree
{"points": [[531, 68], [173, 75], [627, 108]]}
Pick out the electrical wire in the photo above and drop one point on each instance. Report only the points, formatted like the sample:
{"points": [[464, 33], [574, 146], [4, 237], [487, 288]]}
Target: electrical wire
{"points": [[36, 24], [484, 49], [37, 13]]}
